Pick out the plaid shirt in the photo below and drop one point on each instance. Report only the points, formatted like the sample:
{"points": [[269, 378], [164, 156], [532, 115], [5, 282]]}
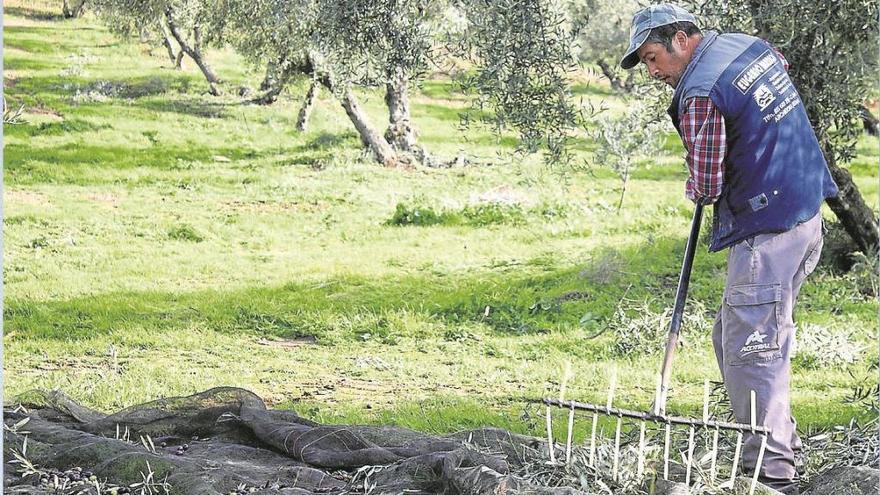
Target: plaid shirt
{"points": [[705, 138]]}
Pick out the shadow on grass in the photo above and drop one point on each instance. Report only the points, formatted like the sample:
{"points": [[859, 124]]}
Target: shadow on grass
{"points": [[64, 164], [31, 14], [534, 298]]}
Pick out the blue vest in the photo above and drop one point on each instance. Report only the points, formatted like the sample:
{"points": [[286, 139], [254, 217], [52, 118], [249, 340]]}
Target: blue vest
{"points": [[775, 175]]}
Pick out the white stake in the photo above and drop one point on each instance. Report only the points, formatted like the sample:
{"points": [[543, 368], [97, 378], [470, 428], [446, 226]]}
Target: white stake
{"points": [[736, 452], [706, 401], [570, 431], [641, 468], [758, 464], [690, 455], [593, 440], [712, 467], [550, 436], [666, 452], [616, 449]]}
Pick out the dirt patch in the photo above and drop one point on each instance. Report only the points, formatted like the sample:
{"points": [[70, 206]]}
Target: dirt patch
{"points": [[19, 197]]}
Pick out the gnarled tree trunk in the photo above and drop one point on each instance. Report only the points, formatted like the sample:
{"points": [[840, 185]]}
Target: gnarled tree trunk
{"points": [[72, 9], [305, 111], [176, 57], [854, 214], [194, 51], [369, 135], [400, 133]]}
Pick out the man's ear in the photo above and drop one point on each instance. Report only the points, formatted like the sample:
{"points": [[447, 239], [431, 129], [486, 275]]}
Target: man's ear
{"points": [[681, 39]]}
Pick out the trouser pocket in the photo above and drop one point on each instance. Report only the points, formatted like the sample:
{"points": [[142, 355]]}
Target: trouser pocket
{"points": [[751, 316]]}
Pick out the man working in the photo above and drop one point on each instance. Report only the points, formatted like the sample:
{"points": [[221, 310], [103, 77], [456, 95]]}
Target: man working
{"points": [[752, 153]]}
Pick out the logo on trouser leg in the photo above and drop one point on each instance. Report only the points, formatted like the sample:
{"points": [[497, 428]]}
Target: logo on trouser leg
{"points": [[755, 343]]}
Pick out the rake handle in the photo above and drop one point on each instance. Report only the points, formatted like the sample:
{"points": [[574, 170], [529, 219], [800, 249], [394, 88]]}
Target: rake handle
{"points": [[678, 310]]}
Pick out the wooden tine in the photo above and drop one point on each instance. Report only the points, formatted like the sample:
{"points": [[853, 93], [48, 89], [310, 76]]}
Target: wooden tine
{"points": [[753, 418], [758, 464], [736, 452], [616, 449], [706, 401], [593, 440], [612, 384], [641, 468], [690, 456], [550, 436], [566, 375], [657, 394], [666, 452], [570, 432], [713, 465], [754, 421]]}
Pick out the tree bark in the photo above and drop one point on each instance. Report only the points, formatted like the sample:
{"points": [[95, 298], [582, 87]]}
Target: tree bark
{"points": [[854, 214], [871, 124], [400, 133], [302, 120], [369, 135], [193, 51], [70, 11], [166, 40], [278, 73]]}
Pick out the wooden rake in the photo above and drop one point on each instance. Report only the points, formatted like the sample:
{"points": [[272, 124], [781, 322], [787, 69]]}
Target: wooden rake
{"points": [[659, 414]]}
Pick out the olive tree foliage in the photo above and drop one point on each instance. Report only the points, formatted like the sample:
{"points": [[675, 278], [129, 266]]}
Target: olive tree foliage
{"points": [[275, 34], [522, 54], [622, 139], [604, 37], [832, 51], [182, 20]]}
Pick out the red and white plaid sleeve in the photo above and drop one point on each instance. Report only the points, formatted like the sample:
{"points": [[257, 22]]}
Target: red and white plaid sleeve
{"points": [[705, 138]]}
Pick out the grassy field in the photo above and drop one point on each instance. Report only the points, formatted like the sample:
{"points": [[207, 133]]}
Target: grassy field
{"points": [[159, 241]]}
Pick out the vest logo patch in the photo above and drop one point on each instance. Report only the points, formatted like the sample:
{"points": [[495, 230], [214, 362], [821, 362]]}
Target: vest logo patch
{"points": [[754, 71], [764, 97]]}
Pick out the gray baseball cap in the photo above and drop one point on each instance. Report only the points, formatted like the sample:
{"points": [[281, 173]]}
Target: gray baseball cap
{"points": [[646, 20]]}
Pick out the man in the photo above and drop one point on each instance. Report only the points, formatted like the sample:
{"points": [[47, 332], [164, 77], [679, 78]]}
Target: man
{"points": [[753, 155]]}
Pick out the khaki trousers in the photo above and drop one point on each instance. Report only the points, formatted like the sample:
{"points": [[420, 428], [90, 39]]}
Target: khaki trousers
{"points": [[754, 336]]}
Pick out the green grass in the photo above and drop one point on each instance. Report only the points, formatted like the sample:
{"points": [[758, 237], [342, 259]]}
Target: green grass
{"points": [[159, 241]]}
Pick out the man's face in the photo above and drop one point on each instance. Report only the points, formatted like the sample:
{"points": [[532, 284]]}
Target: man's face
{"points": [[663, 64]]}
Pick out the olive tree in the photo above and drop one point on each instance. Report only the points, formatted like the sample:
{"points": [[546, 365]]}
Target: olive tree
{"points": [[832, 51], [604, 36], [522, 54], [182, 20]]}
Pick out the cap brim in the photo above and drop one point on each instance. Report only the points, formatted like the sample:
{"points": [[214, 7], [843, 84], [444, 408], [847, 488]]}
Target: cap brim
{"points": [[631, 59]]}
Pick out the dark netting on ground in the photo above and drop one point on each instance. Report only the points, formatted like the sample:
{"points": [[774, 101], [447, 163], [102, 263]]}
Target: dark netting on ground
{"points": [[225, 441]]}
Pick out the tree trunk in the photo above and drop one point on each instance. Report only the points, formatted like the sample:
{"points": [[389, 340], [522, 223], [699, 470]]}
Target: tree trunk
{"points": [[166, 40], [369, 135], [854, 214], [400, 133], [71, 10], [278, 72], [302, 120], [617, 84], [178, 63], [193, 51], [871, 124]]}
